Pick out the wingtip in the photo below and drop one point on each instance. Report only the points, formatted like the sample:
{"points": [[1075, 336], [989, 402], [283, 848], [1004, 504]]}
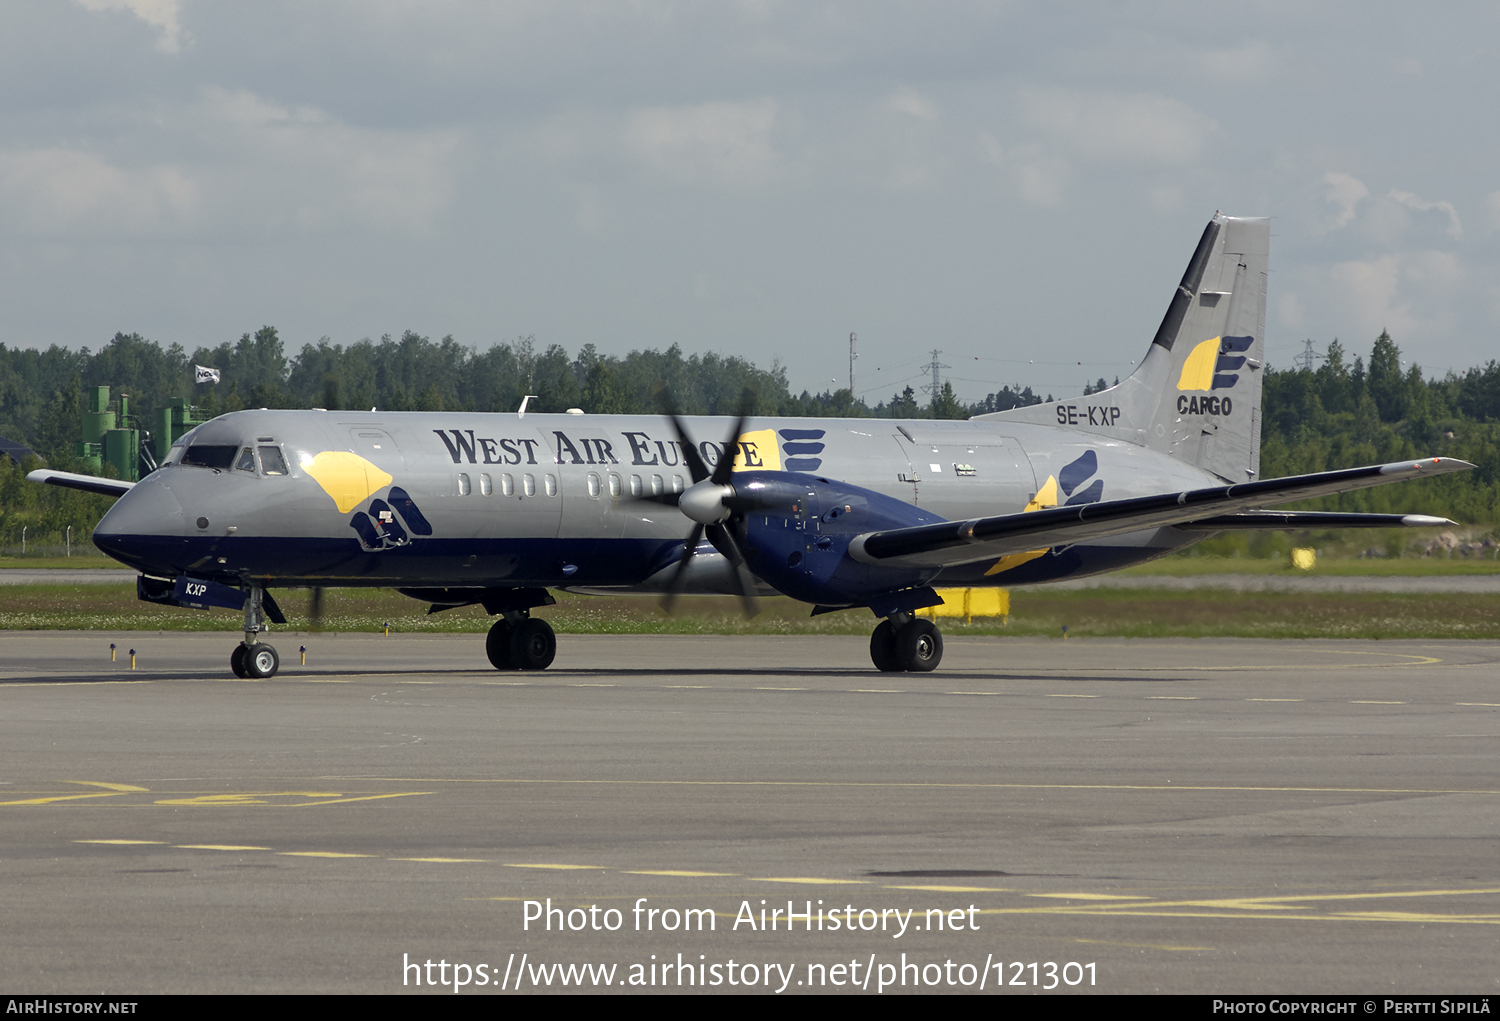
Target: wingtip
{"points": [[1426, 465]]}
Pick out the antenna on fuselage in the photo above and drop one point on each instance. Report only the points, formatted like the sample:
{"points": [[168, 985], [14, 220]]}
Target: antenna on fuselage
{"points": [[521, 411]]}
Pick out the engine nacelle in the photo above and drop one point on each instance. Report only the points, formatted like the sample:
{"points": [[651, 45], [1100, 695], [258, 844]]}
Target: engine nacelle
{"points": [[797, 528]]}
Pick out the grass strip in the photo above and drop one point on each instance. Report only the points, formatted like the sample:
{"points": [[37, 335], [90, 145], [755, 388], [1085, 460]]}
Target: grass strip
{"points": [[1201, 613]]}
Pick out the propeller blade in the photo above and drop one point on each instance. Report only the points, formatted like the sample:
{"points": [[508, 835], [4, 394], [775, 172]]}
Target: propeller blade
{"points": [[315, 610], [680, 577], [725, 467], [726, 543], [670, 499], [690, 457]]}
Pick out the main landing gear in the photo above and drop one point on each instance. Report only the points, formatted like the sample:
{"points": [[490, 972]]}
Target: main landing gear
{"points": [[904, 642], [518, 641], [253, 659]]}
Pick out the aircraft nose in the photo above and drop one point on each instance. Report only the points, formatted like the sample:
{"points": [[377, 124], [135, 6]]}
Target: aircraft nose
{"points": [[142, 524]]}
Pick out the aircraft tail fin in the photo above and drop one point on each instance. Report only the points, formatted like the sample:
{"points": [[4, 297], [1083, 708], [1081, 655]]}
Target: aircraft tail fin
{"points": [[1197, 393]]}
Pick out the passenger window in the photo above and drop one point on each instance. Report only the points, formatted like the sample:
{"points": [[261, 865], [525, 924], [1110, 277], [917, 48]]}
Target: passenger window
{"points": [[246, 463], [463, 484], [271, 461], [528, 484], [676, 483], [635, 485], [486, 487], [550, 481], [593, 481], [614, 486], [507, 485], [656, 485]]}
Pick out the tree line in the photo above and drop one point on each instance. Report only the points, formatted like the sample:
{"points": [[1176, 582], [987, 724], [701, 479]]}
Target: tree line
{"points": [[41, 391], [1338, 415]]}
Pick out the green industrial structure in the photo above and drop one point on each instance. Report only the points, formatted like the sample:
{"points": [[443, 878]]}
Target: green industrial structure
{"points": [[113, 436]]}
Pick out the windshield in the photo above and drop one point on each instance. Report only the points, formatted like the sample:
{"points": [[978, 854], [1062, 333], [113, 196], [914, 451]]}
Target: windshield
{"points": [[207, 456]]}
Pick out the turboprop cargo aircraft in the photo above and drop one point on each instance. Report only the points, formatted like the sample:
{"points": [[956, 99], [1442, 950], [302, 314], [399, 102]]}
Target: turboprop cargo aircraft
{"points": [[459, 509]]}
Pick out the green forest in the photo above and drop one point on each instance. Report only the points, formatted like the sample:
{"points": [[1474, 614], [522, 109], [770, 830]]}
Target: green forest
{"points": [[1342, 414]]}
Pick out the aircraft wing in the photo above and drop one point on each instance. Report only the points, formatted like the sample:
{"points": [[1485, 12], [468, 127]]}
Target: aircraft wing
{"points": [[87, 483], [958, 542]]}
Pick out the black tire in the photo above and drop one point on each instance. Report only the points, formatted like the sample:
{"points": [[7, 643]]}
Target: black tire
{"points": [[883, 648], [261, 661], [237, 661], [497, 645], [533, 645], [919, 646]]}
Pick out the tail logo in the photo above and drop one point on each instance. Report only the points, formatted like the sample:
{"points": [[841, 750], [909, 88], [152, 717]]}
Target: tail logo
{"points": [[1214, 364]]}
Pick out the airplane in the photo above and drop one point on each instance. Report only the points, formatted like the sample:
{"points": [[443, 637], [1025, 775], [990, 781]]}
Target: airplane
{"points": [[458, 509]]}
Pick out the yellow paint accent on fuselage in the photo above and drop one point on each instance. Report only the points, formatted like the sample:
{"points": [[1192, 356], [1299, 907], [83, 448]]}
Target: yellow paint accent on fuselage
{"points": [[348, 478], [1045, 497], [1198, 370], [758, 451]]}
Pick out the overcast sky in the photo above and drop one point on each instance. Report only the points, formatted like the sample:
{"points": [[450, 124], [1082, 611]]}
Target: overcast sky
{"points": [[1016, 184]]}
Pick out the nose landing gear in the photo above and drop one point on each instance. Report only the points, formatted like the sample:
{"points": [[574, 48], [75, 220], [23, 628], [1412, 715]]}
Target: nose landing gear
{"points": [[903, 642], [252, 659]]}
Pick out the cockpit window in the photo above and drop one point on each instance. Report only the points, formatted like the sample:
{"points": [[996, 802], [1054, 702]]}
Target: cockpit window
{"points": [[271, 461], [210, 456], [246, 463]]}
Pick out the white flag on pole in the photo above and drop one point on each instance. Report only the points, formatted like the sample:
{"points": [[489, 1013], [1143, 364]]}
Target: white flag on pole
{"points": [[206, 375]]}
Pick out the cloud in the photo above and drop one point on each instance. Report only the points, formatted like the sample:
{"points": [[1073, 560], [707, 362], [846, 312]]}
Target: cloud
{"points": [[1410, 201], [722, 145], [1387, 218], [1249, 62], [1290, 312], [1408, 294], [52, 191], [159, 14], [301, 168], [908, 102], [1492, 209], [1141, 129], [1041, 179], [1165, 198], [249, 167], [1346, 192]]}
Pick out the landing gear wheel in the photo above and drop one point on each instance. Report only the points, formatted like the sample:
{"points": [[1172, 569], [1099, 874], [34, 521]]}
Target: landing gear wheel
{"points": [[883, 648], [261, 661], [533, 645], [237, 661], [919, 646], [497, 645]]}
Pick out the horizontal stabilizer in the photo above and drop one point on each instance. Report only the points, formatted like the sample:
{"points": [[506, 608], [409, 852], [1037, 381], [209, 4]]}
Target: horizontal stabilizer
{"points": [[1284, 520], [960, 542], [87, 483]]}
